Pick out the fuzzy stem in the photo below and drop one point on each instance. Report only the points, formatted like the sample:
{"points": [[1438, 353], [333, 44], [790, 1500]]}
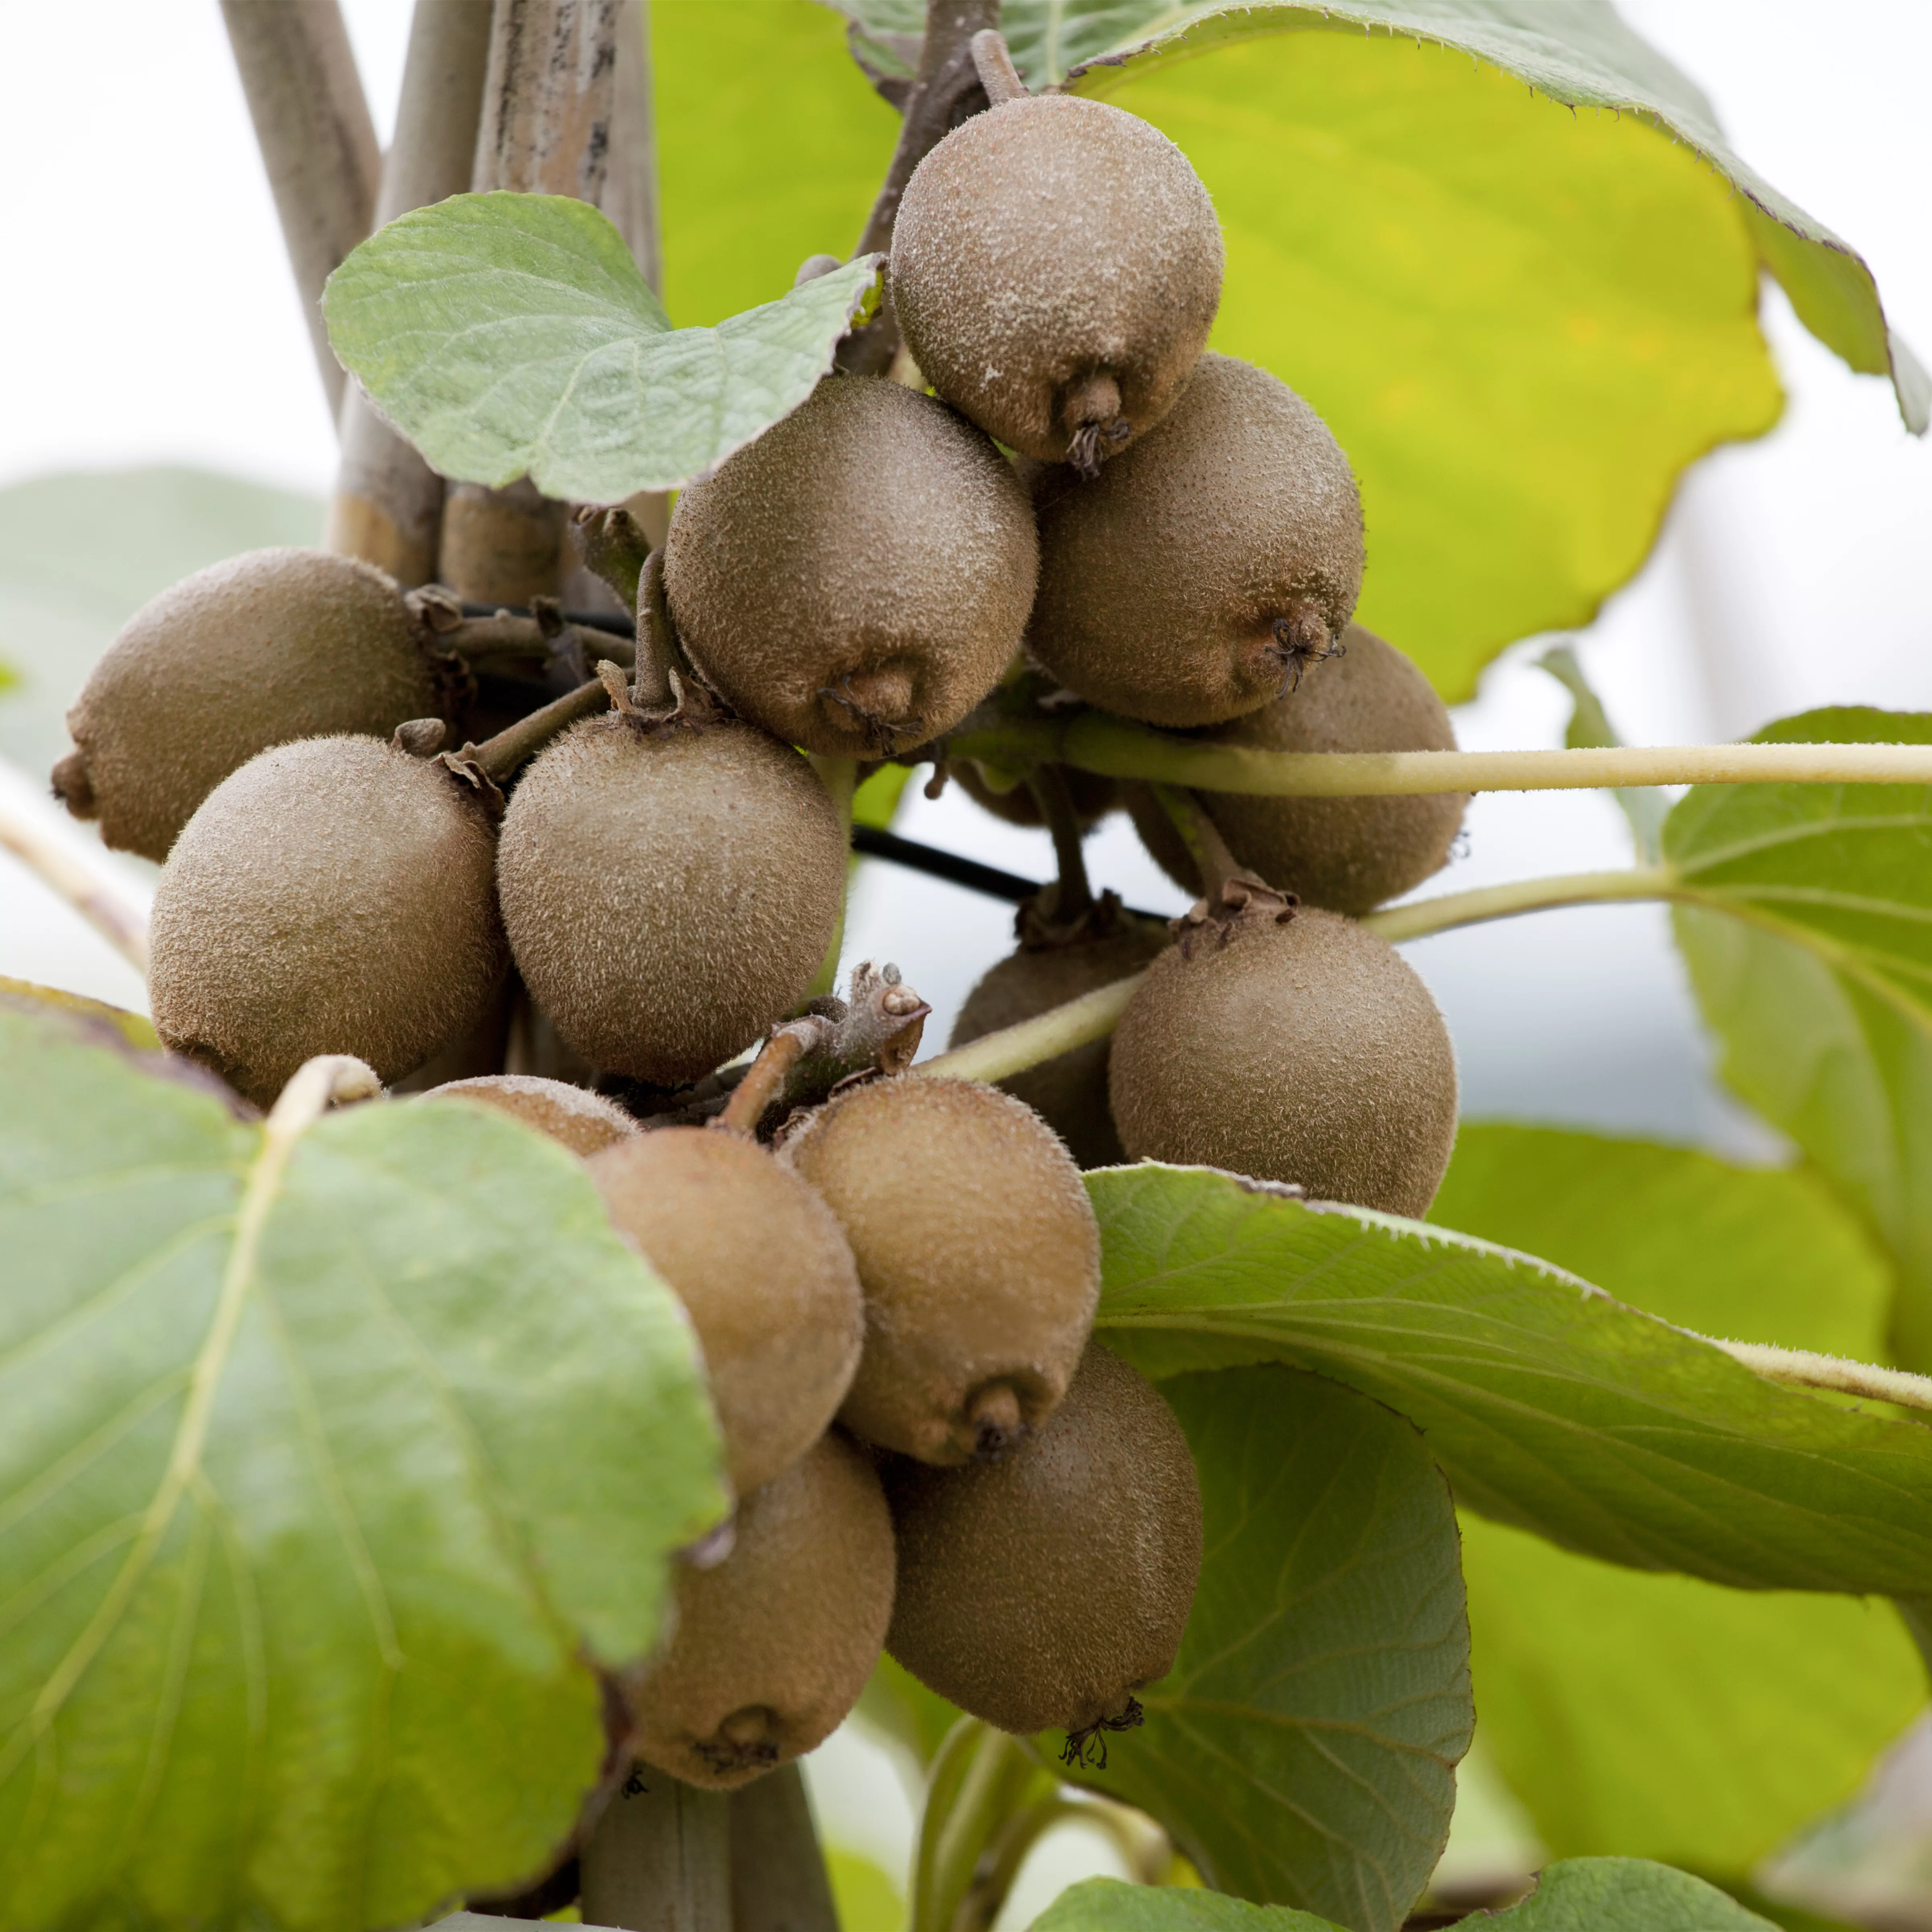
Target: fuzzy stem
{"points": [[764, 1082], [1096, 741], [502, 756], [614, 548], [995, 1056], [1073, 896], [317, 141], [994, 64], [779, 1883], [388, 506], [1800, 1368], [120, 924], [657, 642], [1424, 917], [946, 77], [1202, 837]]}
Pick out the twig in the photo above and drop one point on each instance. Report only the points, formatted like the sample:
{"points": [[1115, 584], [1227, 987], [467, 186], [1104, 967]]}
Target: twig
{"points": [[995, 1056], [388, 506], [1073, 894], [502, 756], [778, 1873], [615, 549], [1096, 741], [1421, 918], [658, 1858], [1800, 1368], [120, 924], [1213, 863], [317, 141], [945, 83]]}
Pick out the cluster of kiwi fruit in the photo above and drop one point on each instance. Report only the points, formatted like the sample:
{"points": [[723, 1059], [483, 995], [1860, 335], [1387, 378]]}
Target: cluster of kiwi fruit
{"points": [[894, 1288]]}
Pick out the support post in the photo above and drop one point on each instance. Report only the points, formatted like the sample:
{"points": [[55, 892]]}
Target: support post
{"points": [[778, 1872], [658, 1858], [388, 507], [317, 141], [547, 103]]}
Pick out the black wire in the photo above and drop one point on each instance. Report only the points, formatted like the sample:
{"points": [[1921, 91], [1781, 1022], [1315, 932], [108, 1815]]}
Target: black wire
{"points": [[952, 868], [608, 621]]}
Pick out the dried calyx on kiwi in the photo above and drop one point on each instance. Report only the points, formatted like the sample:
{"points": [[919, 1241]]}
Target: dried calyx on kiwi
{"points": [[256, 652], [1208, 565], [771, 1647], [670, 886], [334, 895], [1054, 964], [978, 1252], [1291, 1046], [765, 1273], [574, 1117], [1041, 1592], [857, 579], [1346, 854], [1056, 267]]}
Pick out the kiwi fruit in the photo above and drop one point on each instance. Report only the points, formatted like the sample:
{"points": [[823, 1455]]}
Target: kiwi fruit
{"points": [[764, 1270], [1040, 1592], [1093, 796], [334, 895], [1207, 564], [978, 1252], [1069, 1091], [574, 1117], [771, 1647], [267, 647], [1346, 854], [669, 891], [1056, 267], [857, 579], [1304, 1050]]}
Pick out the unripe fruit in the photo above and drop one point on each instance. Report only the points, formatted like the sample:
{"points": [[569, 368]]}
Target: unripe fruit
{"points": [[259, 651], [1056, 267], [1193, 577], [1069, 1091], [1092, 795], [1307, 1052], [574, 1117], [1346, 854], [765, 1273], [772, 1646], [979, 1254], [334, 895], [859, 578], [669, 892], [1041, 1592]]}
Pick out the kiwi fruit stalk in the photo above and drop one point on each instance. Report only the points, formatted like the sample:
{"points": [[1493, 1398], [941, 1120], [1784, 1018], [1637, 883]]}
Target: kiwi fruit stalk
{"points": [[978, 1252], [1303, 1050], [857, 579], [1207, 564], [334, 895], [267, 647], [1056, 267], [1346, 854], [1069, 1091], [669, 889], [771, 1647], [1092, 795], [764, 1270], [573, 1116], [1040, 1592]]}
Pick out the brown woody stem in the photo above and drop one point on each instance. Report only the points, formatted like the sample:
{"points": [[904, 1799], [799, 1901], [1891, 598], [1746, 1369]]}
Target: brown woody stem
{"points": [[504, 755]]}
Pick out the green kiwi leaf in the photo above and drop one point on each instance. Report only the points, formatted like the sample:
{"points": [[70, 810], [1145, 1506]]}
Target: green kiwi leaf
{"points": [[1577, 1895], [326, 1489], [1506, 251], [1657, 1714], [1820, 990], [1549, 1405], [1302, 1750], [509, 335]]}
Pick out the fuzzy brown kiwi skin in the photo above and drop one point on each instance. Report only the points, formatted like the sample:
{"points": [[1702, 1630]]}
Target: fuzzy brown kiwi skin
{"points": [[1244, 484], [856, 580], [1347, 855], [264, 649], [1069, 1091], [1040, 1592], [1307, 1052], [1056, 268], [669, 893], [771, 1647], [334, 895], [574, 1117], [765, 1273], [978, 1252]]}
